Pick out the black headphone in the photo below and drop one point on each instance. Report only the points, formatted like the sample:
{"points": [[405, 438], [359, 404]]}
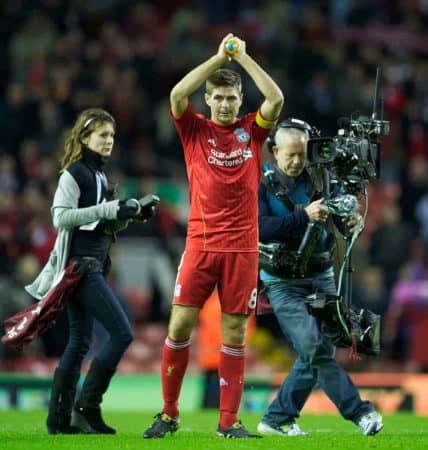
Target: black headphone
{"points": [[289, 123]]}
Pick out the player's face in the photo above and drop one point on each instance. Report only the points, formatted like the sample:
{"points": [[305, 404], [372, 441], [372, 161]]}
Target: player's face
{"points": [[101, 140], [224, 103], [291, 156]]}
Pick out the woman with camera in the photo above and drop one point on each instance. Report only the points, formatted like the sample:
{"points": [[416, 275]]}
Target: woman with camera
{"points": [[87, 218]]}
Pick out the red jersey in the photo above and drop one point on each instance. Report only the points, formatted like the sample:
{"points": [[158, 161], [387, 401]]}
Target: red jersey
{"points": [[223, 168]]}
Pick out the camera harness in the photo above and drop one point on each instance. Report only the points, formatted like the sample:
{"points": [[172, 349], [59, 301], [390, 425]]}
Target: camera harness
{"points": [[317, 184], [353, 323], [275, 182]]}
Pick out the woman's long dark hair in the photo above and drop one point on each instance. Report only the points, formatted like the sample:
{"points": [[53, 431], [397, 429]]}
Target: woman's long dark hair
{"points": [[87, 121]]}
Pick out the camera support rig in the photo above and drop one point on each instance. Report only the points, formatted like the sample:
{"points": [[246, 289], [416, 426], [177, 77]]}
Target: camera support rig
{"points": [[353, 156]]}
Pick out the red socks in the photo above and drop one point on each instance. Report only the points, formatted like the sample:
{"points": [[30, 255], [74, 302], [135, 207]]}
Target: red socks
{"points": [[231, 376], [175, 357]]}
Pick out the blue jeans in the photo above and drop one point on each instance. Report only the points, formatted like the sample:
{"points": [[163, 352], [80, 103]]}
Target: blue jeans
{"points": [[94, 299], [315, 363]]}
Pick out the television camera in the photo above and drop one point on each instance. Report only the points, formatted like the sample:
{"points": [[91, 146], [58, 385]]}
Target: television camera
{"points": [[353, 160]]}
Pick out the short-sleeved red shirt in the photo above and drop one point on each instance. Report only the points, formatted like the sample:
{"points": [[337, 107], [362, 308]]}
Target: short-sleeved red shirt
{"points": [[223, 168]]}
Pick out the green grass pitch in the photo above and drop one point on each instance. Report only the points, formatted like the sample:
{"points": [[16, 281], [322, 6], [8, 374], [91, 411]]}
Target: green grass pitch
{"points": [[25, 430]]}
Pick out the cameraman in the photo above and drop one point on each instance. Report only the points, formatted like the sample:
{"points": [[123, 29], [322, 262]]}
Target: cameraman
{"points": [[286, 206]]}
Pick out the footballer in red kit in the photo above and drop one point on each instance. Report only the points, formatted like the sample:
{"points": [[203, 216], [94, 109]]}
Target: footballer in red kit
{"points": [[223, 167], [222, 156]]}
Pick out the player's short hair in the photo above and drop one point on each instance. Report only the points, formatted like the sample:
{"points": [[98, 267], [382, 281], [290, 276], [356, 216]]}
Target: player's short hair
{"points": [[223, 78]]}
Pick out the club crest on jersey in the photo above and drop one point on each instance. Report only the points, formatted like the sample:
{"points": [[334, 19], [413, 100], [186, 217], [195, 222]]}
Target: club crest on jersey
{"points": [[241, 135]]}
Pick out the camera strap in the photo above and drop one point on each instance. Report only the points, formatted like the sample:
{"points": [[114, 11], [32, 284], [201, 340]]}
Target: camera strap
{"points": [[276, 182], [272, 182]]}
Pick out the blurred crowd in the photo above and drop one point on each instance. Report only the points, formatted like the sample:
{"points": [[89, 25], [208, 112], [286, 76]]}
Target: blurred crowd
{"points": [[59, 57]]}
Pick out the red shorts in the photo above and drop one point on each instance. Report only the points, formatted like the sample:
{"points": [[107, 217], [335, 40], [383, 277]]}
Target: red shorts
{"points": [[234, 275]]}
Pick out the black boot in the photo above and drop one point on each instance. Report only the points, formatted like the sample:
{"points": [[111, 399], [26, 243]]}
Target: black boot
{"points": [[61, 402], [87, 412]]}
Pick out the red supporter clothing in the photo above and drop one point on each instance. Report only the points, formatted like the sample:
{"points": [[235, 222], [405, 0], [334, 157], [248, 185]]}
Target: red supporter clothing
{"points": [[33, 321], [223, 168]]}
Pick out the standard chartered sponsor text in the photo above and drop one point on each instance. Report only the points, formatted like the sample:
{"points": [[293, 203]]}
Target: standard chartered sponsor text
{"points": [[231, 159]]}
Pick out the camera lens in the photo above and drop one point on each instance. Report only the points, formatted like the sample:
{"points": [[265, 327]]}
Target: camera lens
{"points": [[325, 150]]}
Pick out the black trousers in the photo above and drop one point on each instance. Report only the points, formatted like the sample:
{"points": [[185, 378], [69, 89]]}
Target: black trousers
{"points": [[94, 299]]}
